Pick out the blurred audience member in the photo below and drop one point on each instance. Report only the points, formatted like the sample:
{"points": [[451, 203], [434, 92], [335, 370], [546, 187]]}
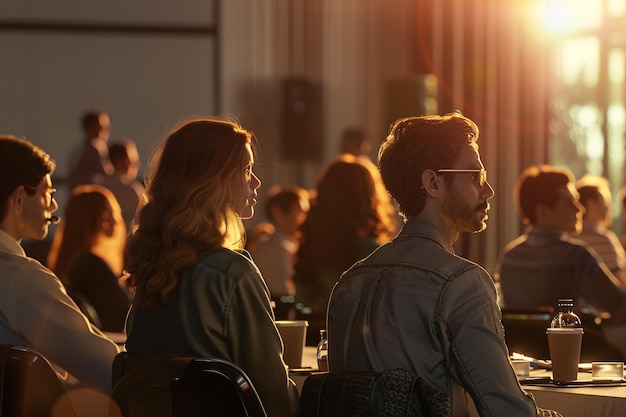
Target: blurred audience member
{"points": [[93, 163], [35, 310], [545, 263], [87, 255], [274, 252], [622, 198], [123, 182], [346, 222], [38, 249], [258, 233], [595, 196], [196, 291], [355, 141], [415, 304]]}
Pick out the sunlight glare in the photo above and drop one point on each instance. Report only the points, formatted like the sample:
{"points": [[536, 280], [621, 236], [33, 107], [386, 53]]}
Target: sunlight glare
{"points": [[564, 16]]}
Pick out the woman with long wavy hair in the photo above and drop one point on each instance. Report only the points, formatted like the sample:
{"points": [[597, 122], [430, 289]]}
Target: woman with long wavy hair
{"points": [[87, 255], [197, 292], [348, 219]]}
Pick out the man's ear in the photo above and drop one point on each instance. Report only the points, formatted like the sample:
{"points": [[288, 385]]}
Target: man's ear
{"points": [[541, 213], [16, 199], [430, 182]]}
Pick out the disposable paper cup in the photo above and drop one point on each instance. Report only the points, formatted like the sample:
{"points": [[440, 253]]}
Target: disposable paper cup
{"points": [[564, 344], [521, 368], [293, 333]]}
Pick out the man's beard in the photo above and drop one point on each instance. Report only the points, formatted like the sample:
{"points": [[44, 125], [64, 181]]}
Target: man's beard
{"points": [[464, 217]]}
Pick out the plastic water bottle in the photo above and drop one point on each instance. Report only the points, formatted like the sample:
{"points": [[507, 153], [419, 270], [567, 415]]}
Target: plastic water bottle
{"points": [[565, 316], [322, 352]]}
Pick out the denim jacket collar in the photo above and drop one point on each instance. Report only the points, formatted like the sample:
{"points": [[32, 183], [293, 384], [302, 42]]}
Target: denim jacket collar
{"points": [[426, 230]]}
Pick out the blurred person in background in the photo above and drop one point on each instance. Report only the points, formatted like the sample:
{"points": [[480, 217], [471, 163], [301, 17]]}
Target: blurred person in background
{"points": [[93, 162], [123, 181], [595, 196], [356, 141], [275, 250], [87, 254], [547, 262], [622, 198], [346, 222]]}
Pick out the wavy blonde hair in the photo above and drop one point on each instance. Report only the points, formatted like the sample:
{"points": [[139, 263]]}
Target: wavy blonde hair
{"points": [[187, 205]]}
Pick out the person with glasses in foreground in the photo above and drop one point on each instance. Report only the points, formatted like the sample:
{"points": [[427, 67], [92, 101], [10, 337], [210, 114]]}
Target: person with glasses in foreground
{"points": [[35, 310], [413, 303]]}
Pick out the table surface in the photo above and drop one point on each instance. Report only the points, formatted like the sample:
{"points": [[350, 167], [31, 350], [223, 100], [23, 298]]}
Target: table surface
{"points": [[594, 400], [309, 360], [583, 401], [599, 388]]}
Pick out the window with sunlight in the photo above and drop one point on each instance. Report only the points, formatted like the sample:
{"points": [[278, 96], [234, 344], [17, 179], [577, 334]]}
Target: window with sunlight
{"points": [[589, 42]]}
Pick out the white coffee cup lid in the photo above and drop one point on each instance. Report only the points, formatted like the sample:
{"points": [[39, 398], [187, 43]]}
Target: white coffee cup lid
{"points": [[559, 330], [289, 323]]}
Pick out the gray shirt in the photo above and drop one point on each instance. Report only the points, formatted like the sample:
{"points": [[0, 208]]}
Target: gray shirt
{"points": [[545, 264]]}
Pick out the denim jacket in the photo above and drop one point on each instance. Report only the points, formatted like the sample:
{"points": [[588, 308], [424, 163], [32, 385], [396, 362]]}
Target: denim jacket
{"points": [[221, 309], [414, 304]]}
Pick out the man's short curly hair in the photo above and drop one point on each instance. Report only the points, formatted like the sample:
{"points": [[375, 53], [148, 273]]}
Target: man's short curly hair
{"points": [[537, 185], [415, 144]]}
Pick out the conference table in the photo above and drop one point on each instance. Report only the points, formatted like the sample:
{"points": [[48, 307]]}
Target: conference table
{"points": [[309, 365], [583, 398], [586, 399]]}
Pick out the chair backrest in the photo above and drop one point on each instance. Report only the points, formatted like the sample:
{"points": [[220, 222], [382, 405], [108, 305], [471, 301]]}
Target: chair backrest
{"points": [[86, 308], [29, 386], [390, 393], [525, 330], [141, 383], [595, 346], [215, 388]]}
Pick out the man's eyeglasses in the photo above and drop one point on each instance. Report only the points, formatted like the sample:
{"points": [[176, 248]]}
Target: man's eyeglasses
{"points": [[481, 178], [49, 193]]}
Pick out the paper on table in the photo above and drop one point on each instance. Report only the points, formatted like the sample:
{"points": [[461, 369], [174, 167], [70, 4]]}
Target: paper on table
{"points": [[534, 363]]}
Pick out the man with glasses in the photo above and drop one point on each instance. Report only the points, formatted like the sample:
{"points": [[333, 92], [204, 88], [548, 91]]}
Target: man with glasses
{"points": [[413, 303], [35, 310]]}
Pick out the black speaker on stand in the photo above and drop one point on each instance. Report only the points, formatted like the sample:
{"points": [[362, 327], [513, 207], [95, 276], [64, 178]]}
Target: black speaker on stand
{"points": [[302, 120]]}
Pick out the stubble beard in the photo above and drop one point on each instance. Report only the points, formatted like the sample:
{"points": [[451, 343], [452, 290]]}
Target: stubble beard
{"points": [[465, 218]]}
